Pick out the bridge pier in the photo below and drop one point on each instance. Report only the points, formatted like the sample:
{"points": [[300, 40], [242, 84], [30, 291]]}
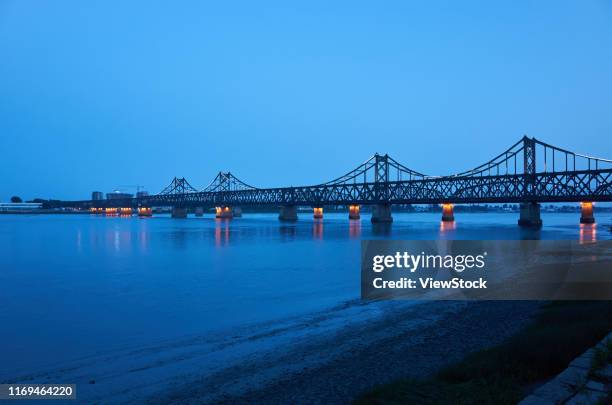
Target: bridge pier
{"points": [[530, 215], [145, 212], [199, 211], [354, 212], [237, 212], [288, 213], [586, 213], [179, 212], [381, 213], [224, 212], [448, 212], [318, 212]]}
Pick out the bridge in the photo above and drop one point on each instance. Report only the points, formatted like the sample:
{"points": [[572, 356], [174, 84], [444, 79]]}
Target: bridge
{"points": [[530, 172]]}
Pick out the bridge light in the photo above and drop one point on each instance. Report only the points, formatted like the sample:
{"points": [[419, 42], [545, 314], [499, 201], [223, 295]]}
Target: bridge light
{"points": [[448, 214], [586, 213], [224, 212]]}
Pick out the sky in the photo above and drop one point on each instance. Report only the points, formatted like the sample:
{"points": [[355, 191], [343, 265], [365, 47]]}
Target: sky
{"points": [[105, 95]]}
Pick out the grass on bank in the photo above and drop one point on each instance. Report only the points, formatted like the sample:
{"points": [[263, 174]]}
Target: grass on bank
{"points": [[504, 374]]}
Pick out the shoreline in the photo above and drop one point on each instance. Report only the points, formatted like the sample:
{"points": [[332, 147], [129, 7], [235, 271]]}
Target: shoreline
{"points": [[328, 356], [337, 367]]}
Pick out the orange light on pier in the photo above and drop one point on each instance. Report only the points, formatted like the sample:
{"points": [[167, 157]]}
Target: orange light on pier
{"points": [[318, 212], [586, 213], [145, 212], [354, 212], [95, 210], [223, 212], [125, 211], [448, 212], [110, 211]]}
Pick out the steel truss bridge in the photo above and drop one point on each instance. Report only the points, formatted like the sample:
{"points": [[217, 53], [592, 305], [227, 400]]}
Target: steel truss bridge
{"points": [[528, 171]]}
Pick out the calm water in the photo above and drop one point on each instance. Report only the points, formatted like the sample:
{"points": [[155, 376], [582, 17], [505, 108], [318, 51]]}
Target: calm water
{"points": [[73, 286]]}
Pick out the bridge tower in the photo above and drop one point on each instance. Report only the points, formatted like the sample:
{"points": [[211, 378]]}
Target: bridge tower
{"points": [[381, 211], [530, 208], [177, 191], [223, 185]]}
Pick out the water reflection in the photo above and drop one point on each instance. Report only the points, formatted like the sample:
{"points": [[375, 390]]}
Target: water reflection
{"points": [[355, 228], [317, 229], [222, 232], [447, 228], [120, 240], [588, 233], [527, 233], [143, 237], [381, 229], [78, 241], [287, 232]]}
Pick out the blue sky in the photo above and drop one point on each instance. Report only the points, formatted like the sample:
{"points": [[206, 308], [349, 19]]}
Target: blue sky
{"points": [[104, 95]]}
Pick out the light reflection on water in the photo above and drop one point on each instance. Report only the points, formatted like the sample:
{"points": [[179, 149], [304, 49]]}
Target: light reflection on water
{"points": [[76, 284], [222, 231], [588, 233], [317, 229], [354, 228], [447, 228]]}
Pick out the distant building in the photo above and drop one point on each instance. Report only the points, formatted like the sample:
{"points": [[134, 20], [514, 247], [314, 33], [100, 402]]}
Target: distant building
{"points": [[141, 194], [118, 195], [97, 195]]}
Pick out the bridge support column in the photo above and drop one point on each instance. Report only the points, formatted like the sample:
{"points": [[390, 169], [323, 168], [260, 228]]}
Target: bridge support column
{"points": [[199, 211], [530, 215], [381, 213], [318, 212], [224, 212], [145, 212], [237, 212], [586, 216], [179, 212], [288, 213], [448, 212], [354, 212]]}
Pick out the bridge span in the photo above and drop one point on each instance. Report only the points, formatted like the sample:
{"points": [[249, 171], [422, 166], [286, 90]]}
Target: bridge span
{"points": [[530, 172]]}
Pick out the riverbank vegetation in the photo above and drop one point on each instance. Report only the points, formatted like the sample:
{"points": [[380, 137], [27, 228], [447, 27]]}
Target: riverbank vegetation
{"points": [[506, 373]]}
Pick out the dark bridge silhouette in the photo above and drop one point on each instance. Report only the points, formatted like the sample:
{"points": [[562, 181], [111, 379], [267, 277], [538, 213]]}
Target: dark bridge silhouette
{"points": [[529, 172]]}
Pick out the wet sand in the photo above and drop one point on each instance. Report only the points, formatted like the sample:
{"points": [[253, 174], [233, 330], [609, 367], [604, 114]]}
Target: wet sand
{"points": [[330, 356], [405, 341]]}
